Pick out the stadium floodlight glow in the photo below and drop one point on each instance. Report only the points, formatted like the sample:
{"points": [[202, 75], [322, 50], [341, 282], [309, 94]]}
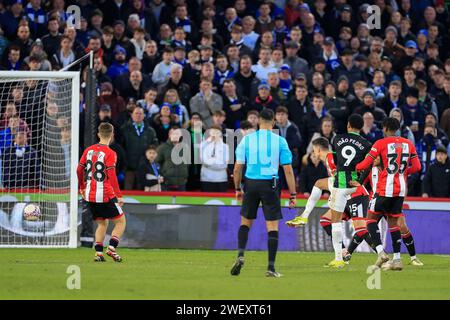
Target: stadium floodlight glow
{"points": [[38, 157]]}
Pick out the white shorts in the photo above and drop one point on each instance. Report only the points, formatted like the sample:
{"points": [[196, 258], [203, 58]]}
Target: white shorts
{"points": [[338, 198]]}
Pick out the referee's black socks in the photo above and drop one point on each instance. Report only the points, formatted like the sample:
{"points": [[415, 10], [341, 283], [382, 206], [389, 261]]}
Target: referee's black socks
{"points": [[242, 239], [272, 245]]}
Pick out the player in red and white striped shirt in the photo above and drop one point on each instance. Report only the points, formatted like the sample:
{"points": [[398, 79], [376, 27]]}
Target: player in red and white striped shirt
{"points": [[396, 155], [100, 189], [407, 237]]}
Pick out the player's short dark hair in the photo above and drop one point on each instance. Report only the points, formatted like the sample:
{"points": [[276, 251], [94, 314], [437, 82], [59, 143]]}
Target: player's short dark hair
{"points": [[322, 143], [391, 124], [105, 129], [266, 115], [356, 121]]}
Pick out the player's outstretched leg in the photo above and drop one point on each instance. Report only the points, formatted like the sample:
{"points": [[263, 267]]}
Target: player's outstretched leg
{"points": [[316, 193], [119, 228], [372, 227], [408, 240], [242, 244], [100, 233]]}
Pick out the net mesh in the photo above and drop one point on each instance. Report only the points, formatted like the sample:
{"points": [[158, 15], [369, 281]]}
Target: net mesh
{"points": [[35, 155]]}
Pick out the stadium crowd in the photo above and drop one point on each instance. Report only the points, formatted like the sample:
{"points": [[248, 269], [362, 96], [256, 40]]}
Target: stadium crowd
{"points": [[206, 64]]}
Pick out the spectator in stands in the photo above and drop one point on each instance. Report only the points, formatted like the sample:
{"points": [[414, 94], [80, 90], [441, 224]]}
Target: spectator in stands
{"points": [[36, 17], [135, 87], [443, 97], [64, 54], [298, 106], [20, 163], [431, 120], [161, 73], [149, 176], [137, 135], [109, 96], [13, 61], [123, 81], [369, 105], [108, 45], [176, 82], [150, 57], [393, 98], [291, 133], [175, 175], [253, 119], [413, 113], [7, 133], [313, 171], [177, 109], [119, 65], [436, 182], [214, 159], [105, 115], [427, 146], [163, 121], [336, 107], [264, 65], [404, 130], [347, 68], [10, 110], [312, 120], [52, 39], [370, 131], [326, 131], [264, 99], [149, 103], [298, 65], [234, 105], [206, 102]]}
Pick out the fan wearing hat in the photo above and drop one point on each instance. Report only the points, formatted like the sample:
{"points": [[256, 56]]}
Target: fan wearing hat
{"points": [[109, 97], [369, 105], [436, 182], [295, 63], [329, 54], [413, 112], [264, 99], [119, 65], [39, 55], [285, 80], [348, 68]]}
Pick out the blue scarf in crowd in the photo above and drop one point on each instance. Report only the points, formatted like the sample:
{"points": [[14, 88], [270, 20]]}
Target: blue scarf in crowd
{"points": [[185, 24]]}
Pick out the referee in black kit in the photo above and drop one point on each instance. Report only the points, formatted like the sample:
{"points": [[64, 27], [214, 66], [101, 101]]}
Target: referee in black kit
{"points": [[262, 152]]}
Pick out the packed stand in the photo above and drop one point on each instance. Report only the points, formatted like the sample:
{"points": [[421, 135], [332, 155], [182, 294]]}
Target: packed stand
{"points": [[210, 67]]}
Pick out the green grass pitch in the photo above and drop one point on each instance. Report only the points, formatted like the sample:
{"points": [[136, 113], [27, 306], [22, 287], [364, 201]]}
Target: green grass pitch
{"points": [[204, 274]]}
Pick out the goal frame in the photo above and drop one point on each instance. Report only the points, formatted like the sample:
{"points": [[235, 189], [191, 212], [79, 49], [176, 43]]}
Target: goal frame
{"points": [[75, 121]]}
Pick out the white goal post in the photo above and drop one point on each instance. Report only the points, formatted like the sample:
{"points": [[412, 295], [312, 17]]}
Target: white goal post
{"points": [[39, 147]]}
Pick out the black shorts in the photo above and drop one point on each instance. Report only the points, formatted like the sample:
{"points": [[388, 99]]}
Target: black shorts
{"points": [[105, 211], [389, 206], [261, 191], [356, 208]]}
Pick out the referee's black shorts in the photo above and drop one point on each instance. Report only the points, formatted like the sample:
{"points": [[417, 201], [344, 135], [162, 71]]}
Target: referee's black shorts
{"points": [[261, 191]]}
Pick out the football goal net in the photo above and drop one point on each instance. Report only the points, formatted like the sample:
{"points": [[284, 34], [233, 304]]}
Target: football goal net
{"points": [[39, 128]]}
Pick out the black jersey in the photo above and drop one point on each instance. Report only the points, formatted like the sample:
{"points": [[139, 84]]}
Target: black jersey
{"points": [[350, 149]]}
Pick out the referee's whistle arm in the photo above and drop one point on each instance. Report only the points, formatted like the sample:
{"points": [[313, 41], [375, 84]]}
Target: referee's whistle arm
{"points": [[290, 179]]}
